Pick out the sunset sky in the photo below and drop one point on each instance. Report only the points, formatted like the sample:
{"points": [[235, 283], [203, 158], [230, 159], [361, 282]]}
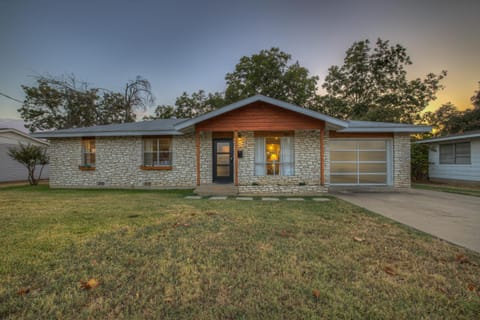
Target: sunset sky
{"points": [[190, 45]]}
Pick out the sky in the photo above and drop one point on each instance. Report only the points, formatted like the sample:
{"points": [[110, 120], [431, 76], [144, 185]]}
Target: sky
{"points": [[190, 45]]}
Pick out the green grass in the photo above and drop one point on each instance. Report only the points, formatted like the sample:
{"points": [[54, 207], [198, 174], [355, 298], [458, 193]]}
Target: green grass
{"points": [[451, 189], [157, 255]]}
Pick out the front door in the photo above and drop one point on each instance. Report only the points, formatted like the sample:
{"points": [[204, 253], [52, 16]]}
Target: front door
{"points": [[222, 160]]}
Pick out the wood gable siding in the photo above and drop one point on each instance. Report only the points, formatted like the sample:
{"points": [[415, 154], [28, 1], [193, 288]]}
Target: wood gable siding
{"points": [[260, 116]]}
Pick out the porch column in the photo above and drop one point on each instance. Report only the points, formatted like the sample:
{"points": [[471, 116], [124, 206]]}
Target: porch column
{"points": [[235, 157], [197, 146], [322, 156]]}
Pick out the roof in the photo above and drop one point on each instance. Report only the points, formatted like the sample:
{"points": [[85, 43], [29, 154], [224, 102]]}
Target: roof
{"points": [[459, 136], [22, 134], [141, 128], [176, 126], [374, 126], [282, 104]]}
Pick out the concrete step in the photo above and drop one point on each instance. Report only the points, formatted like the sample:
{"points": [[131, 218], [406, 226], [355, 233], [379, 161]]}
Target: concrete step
{"points": [[216, 190]]}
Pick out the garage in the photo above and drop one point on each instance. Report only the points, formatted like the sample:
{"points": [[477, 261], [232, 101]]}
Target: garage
{"points": [[361, 162]]}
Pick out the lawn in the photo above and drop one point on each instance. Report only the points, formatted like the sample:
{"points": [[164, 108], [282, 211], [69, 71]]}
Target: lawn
{"points": [[157, 255], [469, 191]]}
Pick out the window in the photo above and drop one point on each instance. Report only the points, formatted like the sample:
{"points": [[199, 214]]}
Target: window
{"points": [[455, 153], [359, 161], [88, 152], [274, 156], [157, 152]]}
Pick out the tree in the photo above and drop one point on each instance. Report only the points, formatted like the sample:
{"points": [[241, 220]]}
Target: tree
{"points": [[63, 102], [448, 119], [137, 96], [269, 73], [374, 86], [476, 98], [442, 120], [58, 103], [419, 161], [30, 156], [467, 120], [190, 106]]}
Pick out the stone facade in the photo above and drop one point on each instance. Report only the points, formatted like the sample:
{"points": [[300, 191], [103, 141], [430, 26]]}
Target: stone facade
{"points": [[401, 160], [118, 161], [206, 160], [306, 178]]}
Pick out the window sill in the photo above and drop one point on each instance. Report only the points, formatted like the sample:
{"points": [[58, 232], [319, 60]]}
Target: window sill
{"points": [[156, 168], [84, 168]]}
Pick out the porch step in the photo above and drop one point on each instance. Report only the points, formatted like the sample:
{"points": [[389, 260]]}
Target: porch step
{"points": [[216, 190]]}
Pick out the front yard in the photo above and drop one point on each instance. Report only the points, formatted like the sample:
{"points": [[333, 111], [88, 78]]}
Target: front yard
{"points": [[154, 254]]}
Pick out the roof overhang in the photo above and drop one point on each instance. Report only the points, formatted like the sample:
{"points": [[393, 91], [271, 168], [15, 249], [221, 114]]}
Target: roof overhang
{"points": [[55, 134], [25, 135], [335, 123], [403, 129], [451, 138]]}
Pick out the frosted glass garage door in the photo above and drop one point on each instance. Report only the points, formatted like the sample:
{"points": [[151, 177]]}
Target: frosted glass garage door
{"points": [[358, 162]]}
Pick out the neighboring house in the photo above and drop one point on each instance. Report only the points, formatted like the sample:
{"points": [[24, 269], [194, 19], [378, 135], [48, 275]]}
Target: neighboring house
{"points": [[259, 145], [454, 157], [11, 170]]}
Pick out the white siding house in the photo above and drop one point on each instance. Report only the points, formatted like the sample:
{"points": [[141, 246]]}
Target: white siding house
{"points": [[455, 157], [11, 170]]}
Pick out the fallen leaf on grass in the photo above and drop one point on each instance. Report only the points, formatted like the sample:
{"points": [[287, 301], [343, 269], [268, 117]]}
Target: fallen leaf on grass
{"points": [[176, 225], [358, 239], [285, 234], [461, 258], [316, 293], [389, 270], [23, 291], [90, 284]]}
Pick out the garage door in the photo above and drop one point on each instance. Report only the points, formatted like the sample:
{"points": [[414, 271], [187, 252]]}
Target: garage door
{"points": [[360, 162]]}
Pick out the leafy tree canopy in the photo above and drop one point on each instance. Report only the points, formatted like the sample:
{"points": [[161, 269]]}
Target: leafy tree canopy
{"points": [[373, 85], [448, 119], [190, 106], [269, 73], [61, 103]]}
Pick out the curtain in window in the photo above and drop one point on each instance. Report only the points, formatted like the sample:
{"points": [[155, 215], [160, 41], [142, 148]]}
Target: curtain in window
{"points": [[148, 152], [259, 156], [286, 156]]}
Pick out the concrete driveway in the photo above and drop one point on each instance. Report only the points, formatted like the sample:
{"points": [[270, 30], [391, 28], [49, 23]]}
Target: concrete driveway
{"points": [[452, 217]]}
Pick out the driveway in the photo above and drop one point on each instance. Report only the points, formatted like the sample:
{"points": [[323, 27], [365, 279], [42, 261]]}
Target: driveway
{"points": [[452, 217]]}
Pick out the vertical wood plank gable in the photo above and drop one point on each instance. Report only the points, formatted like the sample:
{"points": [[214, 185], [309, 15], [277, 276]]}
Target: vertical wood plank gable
{"points": [[260, 116]]}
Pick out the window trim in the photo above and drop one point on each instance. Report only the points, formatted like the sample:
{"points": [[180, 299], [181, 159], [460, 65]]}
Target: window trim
{"points": [[454, 144], [88, 166], [153, 167], [388, 162]]}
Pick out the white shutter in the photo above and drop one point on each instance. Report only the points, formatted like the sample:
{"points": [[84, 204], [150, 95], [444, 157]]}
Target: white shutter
{"points": [[259, 156], [286, 156]]}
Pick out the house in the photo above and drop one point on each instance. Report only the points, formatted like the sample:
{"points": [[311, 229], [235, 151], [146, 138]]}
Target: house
{"points": [[258, 145], [11, 170], [454, 158]]}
